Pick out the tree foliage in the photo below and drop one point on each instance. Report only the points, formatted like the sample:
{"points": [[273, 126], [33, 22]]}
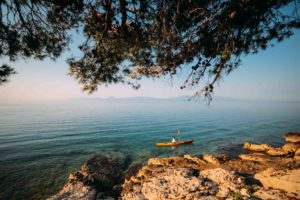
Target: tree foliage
{"points": [[127, 40], [5, 72], [35, 28]]}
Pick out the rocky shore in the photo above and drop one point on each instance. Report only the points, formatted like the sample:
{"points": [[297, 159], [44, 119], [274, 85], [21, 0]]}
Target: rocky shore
{"points": [[263, 172]]}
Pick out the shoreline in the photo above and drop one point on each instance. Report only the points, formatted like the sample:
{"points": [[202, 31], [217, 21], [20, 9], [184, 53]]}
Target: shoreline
{"points": [[262, 172]]}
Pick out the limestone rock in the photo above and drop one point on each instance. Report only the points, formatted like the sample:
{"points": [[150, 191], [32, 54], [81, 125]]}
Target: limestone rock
{"points": [[75, 191], [170, 183], [228, 181], [257, 147], [258, 157], [103, 170], [216, 159], [195, 159], [291, 147], [287, 180], [292, 136], [274, 194], [173, 161], [276, 152], [297, 155], [154, 181], [158, 161]]}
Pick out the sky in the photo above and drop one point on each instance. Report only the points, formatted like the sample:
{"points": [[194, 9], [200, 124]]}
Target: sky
{"points": [[272, 74]]}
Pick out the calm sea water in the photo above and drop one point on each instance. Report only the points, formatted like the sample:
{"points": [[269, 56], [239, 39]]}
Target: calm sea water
{"points": [[41, 143]]}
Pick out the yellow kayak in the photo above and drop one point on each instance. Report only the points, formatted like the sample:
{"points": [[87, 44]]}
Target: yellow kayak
{"points": [[170, 144]]}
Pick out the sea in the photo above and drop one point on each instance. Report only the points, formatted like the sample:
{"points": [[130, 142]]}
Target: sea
{"points": [[42, 142]]}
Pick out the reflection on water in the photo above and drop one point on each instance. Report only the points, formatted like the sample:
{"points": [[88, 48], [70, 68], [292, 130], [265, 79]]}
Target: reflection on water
{"points": [[40, 144]]}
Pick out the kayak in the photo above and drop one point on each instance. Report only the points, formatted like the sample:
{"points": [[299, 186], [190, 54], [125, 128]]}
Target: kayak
{"points": [[170, 144]]}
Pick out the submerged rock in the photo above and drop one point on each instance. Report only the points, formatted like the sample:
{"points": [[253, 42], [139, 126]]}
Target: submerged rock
{"points": [[106, 170], [292, 136], [99, 178]]}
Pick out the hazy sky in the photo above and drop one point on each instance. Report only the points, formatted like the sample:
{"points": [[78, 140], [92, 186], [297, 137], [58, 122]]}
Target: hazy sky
{"points": [[272, 74]]}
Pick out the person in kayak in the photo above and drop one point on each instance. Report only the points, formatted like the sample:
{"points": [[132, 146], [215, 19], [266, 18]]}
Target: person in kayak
{"points": [[173, 140]]}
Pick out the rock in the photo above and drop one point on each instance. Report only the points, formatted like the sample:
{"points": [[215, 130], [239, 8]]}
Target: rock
{"points": [[75, 191], [101, 175], [257, 147], [132, 170], [258, 157], [171, 183], [188, 177], [158, 161], [292, 136], [106, 169], [297, 155], [173, 161], [287, 180], [228, 181], [232, 150], [195, 159], [168, 182], [276, 152], [291, 147], [216, 159], [274, 194]]}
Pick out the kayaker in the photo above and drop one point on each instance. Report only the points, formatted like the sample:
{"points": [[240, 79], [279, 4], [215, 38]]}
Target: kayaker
{"points": [[173, 140]]}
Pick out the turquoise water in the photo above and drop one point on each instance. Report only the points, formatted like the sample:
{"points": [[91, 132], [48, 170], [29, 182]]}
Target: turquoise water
{"points": [[41, 143]]}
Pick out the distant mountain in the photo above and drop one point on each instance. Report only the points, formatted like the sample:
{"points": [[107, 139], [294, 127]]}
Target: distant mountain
{"points": [[178, 98], [137, 98], [149, 99]]}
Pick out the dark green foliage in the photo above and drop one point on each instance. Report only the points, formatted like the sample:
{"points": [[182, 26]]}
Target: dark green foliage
{"points": [[36, 28], [130, 39], [5, 72], [157, 37]]}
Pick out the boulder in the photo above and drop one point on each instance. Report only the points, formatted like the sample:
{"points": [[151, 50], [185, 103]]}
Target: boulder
{"points": [[287, 180], [292, 136], [257, 147]]}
